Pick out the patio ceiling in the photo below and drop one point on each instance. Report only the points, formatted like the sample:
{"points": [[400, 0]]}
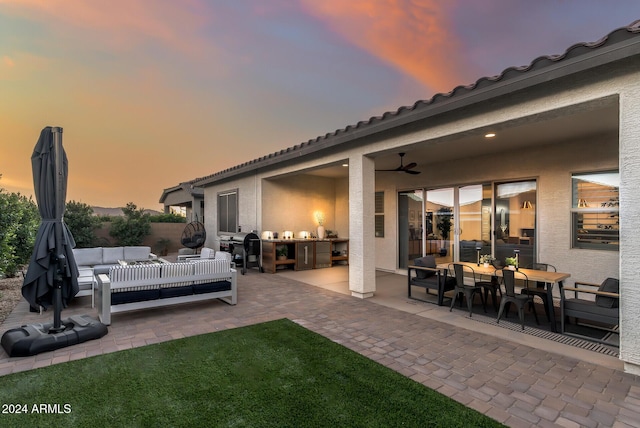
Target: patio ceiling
{"points": [[597, 118]]}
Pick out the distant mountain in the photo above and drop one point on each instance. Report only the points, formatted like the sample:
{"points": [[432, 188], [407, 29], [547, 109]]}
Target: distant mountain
{"points": [[115, 212]]}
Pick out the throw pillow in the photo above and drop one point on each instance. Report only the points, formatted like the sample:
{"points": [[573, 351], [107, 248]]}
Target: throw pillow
{"points": [[610, 285], [428, 261]]}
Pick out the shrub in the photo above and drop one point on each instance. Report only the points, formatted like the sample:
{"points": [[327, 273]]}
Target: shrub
{"points": [[82, 223], [133, 227], [168, 218], [19, 220]]}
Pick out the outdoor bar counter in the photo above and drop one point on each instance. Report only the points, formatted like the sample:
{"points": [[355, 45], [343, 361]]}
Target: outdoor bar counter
{"points": [[303, 254]]}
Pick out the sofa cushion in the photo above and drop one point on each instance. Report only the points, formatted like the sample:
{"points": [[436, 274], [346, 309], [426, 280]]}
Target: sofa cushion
{"points": [[111, 255], [176, 291], [175, 270], [137, 253], [88, 256], [212, 287], [429, 262], [202, 267], [207, 253], [134, 296], [610, 285], [98, 269], [223, 255]]}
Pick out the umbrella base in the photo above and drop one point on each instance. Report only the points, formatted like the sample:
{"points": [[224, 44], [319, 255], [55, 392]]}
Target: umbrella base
{"points": [[33, 339]]}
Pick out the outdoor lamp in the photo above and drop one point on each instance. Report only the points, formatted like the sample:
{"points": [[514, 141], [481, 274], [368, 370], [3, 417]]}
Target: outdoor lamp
{"points": [[517, 254], [478, 248]]}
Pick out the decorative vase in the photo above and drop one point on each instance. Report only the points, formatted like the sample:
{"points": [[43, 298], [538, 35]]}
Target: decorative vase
{"points": [[486, 265], [320, 232], [511, 267]]}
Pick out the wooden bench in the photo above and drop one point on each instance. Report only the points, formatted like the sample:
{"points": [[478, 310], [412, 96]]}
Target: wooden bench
{"points": [[130, 288]]}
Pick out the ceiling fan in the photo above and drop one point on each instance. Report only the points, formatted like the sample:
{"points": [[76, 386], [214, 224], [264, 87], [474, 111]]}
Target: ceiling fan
{"points": [[403, 168]]}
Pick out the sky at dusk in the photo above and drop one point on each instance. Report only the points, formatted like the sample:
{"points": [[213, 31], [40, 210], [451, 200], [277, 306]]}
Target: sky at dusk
{"points": [[152, 93]]}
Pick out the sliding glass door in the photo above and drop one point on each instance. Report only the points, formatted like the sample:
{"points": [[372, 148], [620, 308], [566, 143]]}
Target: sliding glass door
{"points": [[516, 222], [410, 226], [462, 223], [440, 212], [474, 205]]}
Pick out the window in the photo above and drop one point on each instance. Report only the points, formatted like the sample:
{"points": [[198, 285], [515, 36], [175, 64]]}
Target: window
{"points": [[379, 215], [595, 210], [228, 211]]}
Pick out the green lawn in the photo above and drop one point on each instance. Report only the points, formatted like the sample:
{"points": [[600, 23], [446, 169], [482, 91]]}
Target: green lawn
{"points": [[274, 374]]}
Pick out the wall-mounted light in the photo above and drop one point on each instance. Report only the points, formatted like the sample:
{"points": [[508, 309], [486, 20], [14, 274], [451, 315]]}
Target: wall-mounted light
{"points": [[490, 135], [526, 205]]}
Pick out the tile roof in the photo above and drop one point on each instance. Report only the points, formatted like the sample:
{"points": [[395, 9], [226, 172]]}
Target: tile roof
{"points": [[188, 187], [616, 40]]}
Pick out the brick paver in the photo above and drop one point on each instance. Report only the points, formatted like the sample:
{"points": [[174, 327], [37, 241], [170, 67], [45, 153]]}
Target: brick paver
{"points": [[513, 383]]}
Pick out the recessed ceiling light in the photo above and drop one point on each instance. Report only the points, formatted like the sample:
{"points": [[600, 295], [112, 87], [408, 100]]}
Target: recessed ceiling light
{"points": [[345, 164], [490, 135]]}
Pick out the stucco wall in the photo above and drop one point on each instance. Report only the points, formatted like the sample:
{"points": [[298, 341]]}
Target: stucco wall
{"points": [[290, 204], [552, 166], [629, 227], [286, 204]]}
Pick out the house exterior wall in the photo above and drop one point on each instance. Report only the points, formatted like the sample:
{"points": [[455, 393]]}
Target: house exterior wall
{"points": [[550, 164], [249, 210], [290, 204], [630, 225]]}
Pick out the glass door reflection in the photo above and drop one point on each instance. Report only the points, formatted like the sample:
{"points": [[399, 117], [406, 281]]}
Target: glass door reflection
{"points": [[439, 209], [515, 215], [410, 226], [474, 221]]}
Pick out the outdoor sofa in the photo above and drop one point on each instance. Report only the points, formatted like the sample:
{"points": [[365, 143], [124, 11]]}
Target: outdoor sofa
{"points": [[101, 259], [423, 273], [595, 303], [136, 287]]}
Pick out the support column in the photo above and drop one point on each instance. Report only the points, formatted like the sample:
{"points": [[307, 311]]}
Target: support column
{"points": [[362, 256], [629, 135]]}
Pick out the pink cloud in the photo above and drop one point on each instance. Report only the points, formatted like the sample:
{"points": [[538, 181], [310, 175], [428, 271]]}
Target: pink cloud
{"points": [[415, 37]]}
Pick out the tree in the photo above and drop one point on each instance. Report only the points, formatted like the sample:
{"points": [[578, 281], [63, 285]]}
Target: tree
{"points": [[82, 223], [133, 227], [19, 220]]}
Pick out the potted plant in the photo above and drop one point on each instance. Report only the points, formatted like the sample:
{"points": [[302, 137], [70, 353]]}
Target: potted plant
{"points": [[163, 246], [510, 262], [486, 260], [282, 252], [444, 226]]}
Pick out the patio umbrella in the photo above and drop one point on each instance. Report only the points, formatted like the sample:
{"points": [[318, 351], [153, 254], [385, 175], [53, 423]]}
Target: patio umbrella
{"points": [[52, 275]]}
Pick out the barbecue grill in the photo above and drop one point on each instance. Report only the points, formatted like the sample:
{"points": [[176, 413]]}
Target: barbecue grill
{"points": [[245, 249]]}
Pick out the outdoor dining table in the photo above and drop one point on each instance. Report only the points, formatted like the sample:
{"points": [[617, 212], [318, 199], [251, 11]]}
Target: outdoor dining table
{"points": [[548, 278]]}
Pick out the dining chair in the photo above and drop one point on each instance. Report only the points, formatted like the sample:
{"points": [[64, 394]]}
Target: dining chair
{"points": [[468, 291], [540, 289], [491, 287], [509, 296]]}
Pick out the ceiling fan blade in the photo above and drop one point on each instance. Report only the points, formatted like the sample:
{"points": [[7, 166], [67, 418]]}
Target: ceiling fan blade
{"points": [[410, 166], [402, 167]]}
